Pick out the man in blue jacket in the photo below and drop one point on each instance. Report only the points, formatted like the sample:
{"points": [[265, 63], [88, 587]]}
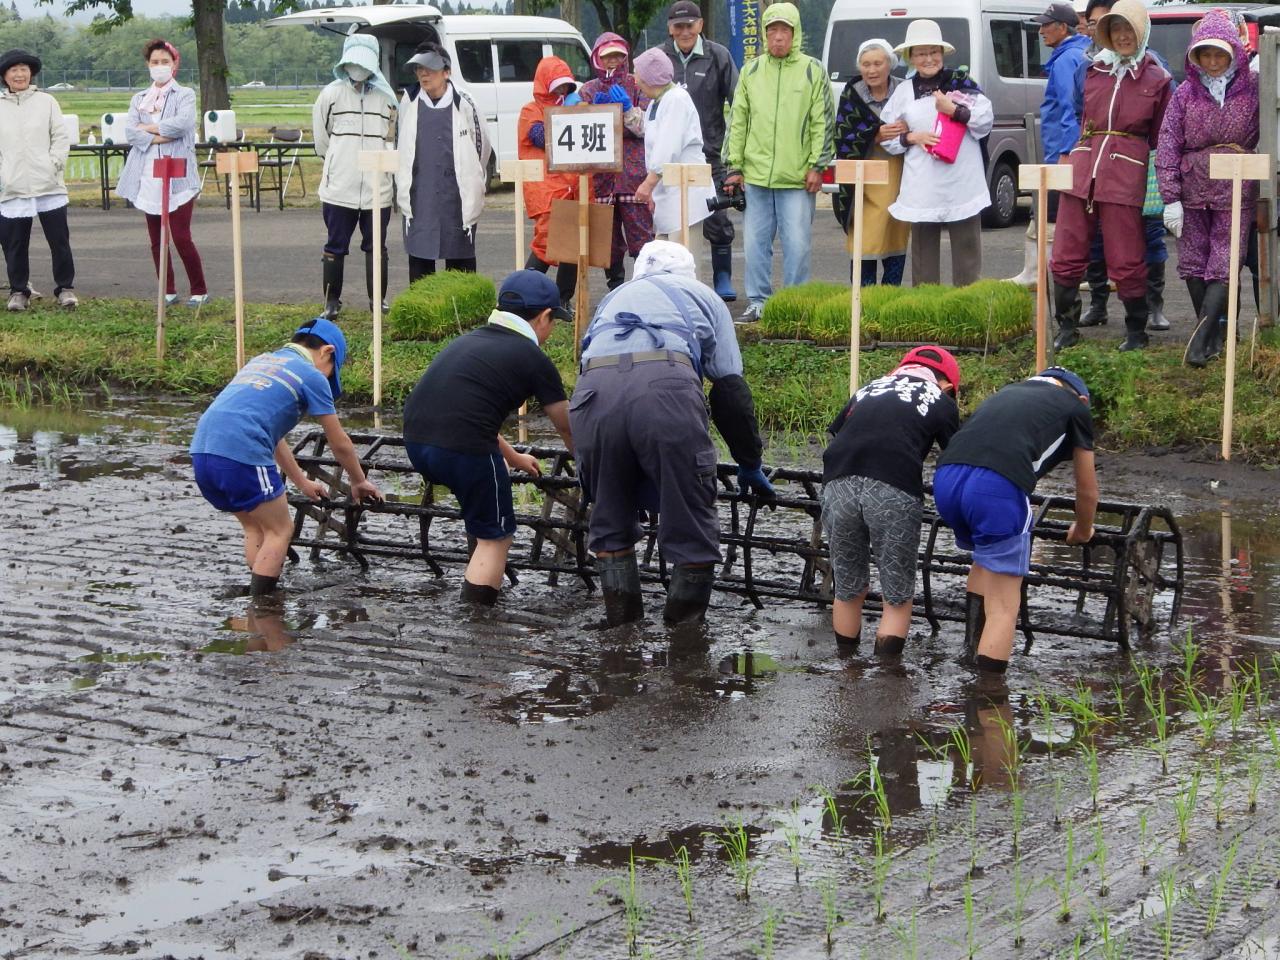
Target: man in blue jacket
{"points": [[1059, 126]]}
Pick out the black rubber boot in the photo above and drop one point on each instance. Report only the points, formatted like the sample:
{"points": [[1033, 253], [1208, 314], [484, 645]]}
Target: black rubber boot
{"points": [[846, 643], [478, 593], [1155, 297], [1196, 288], [1135, 324], [332, 286], [689, 594], [1066, 306], [975, 618], [615, 275], [722, 273], [567, 282], [535, 262], [368, 278], [620, 584], [887, 646], [1099, 293], [261, 586], [1207, 340]]}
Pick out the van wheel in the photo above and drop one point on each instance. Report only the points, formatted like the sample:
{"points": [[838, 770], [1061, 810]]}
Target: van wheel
{"points": [[1004, 196]]}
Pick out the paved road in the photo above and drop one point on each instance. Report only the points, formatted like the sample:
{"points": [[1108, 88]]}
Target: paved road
{"points": [[282, 257]]}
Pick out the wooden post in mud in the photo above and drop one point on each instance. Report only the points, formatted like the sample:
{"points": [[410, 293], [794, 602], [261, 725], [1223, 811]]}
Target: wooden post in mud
{"points": [[231, 164], [164, 169], [686, 175], [1236, 167], [1043, 177], [520, 172], [378, 162], [859, 173]]}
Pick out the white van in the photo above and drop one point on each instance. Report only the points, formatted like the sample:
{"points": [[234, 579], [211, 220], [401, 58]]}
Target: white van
{"points": [[1002, 50], [494, 57]]}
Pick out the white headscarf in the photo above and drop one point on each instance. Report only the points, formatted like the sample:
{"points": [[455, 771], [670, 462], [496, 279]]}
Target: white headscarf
{"points": [[877, 42], [665, 256]]}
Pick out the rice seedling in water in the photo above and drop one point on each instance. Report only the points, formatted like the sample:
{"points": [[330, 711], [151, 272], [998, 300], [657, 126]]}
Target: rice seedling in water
{"points": [[970, 920], [769, 931], [1046, 717], [1013, 752], [1057, 800], [1090, 754], [684, 874], [1082, 710], [1206, 711], [1066, 887], [1273, 737], [1017, 818], [1099, 855], [959, 738], [835, 817], [1155, 698], [831, 918], [930, 857], [1112, 948], [1145, 849], [1255, 781], [1190, 651], [1219, 794], [908, 937], [737, 847], [1021, 892], [633, 906], [1220, 886], [1122, 699], [974, 869], [877, 792], [791, 833], [1238, 703], [879, 867], [1184, 807], [1168, 885]]}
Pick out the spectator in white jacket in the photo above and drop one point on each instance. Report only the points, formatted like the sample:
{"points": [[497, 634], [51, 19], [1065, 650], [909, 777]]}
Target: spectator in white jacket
{"points": [[444, 168], [33, 154], [355, 112]]}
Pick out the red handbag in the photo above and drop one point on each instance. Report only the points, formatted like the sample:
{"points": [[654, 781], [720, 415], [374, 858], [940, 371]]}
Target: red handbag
{"points": [[950, 133]]}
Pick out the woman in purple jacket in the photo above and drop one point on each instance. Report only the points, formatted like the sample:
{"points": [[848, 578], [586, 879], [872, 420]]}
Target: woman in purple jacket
{"points": [[1214, 111], [1125, 95]]}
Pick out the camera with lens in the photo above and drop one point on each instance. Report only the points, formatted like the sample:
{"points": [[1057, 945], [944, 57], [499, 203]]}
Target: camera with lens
{"points": [[735, 198]]}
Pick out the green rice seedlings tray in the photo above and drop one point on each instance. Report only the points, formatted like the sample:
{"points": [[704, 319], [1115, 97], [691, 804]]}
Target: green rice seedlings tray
{"points": [[787, 314], [441, 305]]}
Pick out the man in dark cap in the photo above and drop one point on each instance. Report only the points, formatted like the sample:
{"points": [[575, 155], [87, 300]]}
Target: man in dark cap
{"points": [[706, 69]]}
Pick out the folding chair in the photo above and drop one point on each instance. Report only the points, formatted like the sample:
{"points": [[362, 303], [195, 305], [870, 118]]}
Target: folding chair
{"points": [[280, 164]]}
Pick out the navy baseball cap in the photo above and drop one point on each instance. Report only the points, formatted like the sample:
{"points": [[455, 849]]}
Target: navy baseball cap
{"points": [[329, 332], [531, 290], [1071, 379]]}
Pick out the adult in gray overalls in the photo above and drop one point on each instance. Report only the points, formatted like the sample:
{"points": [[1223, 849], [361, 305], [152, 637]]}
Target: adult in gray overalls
{"points": [[639, 422]]}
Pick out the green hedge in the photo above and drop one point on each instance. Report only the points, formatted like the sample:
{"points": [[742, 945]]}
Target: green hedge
{"points": [[441, 305], [985, 313]]}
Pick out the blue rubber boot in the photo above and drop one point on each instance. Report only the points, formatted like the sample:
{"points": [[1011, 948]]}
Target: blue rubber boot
{"points": [[722, 271]]}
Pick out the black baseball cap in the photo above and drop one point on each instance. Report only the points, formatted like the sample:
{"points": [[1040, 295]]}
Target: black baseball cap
{"points": [[531, 290], [1058, 13], [683, 11]]}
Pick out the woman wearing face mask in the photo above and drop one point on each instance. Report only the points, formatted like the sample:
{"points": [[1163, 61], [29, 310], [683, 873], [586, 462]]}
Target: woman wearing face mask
{"points": [[162, 123], [355, 112], [1214, 111], [632, 220], [937, 192], [861, 135], [1125, 94], [33, 154]]}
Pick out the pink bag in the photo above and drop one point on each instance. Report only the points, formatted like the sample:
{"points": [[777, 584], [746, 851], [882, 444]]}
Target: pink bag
{"points": [[950, 134]]}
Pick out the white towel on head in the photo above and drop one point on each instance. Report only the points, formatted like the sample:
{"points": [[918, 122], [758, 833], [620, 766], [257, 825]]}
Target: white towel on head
{"points": [[665, 256]]}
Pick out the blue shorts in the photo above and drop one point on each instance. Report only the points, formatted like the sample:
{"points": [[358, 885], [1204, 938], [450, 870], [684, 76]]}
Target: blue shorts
{"points": [[479, 481], [235, 487], [989, 514]]}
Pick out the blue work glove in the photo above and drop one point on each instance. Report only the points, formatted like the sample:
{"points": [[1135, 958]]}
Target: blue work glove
{"points": [[571, 99], [753, 480], [618, 94], [601, 97]]}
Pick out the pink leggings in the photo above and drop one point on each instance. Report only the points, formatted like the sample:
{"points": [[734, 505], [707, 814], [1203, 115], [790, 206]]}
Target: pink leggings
{"points": [[180, 233]]}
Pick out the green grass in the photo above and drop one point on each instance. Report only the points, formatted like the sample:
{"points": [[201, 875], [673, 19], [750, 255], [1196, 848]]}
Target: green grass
{"points": [[256, 110], [1140, 399]]}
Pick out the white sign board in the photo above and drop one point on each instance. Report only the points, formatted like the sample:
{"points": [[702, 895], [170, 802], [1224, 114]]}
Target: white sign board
{"points": [[584, 138]]}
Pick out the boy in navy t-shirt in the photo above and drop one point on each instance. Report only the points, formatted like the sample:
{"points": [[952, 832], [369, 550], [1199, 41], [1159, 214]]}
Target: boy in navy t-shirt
{"points": [[239, 451]]}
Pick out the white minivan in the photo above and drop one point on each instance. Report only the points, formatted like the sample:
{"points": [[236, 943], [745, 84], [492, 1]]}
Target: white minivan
{"points": [[1002, 49], [494, 57]]}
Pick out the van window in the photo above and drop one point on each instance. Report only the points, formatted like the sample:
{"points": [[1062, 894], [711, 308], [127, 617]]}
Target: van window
{"points": [[846, 35], [1006, 40], [1037, 52], [475, 61], [1170, 39], [577, 59], [518, 59]]}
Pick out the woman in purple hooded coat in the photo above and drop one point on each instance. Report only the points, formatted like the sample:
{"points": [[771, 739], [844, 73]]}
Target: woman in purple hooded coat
{"points": [[632, 221], [1214, 111]]}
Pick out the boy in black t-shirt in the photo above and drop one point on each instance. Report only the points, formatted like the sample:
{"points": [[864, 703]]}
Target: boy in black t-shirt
{"points": [[872, 495], [982, 486], [453, 417]]}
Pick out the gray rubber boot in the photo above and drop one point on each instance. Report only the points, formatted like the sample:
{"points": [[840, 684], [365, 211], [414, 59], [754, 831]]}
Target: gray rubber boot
{"points": [[620, 584], [1155, 297], [689, 594]]}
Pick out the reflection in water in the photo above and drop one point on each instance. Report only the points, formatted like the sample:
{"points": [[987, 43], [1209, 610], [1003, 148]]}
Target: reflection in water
{"points": [[263, 627]]}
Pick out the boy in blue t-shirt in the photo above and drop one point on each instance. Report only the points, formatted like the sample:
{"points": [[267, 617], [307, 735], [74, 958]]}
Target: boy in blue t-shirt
{"points": [[239, 451]]}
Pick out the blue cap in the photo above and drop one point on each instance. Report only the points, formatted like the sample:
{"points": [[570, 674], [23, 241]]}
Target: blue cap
{"points": [[329, 332], [531, 290], [1071, 379]]}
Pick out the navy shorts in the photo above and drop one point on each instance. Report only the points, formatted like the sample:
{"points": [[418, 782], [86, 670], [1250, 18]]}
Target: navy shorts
{"points": [[479, 481], [235, 487], [989, 514]]}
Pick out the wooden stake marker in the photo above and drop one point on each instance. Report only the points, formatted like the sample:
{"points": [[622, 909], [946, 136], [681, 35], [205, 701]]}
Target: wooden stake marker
{"points": [[859, 173], [165, 170], [1236, 167], [231, 164], [378, 162], [1041, 178], [686, 175], [520, 172]]}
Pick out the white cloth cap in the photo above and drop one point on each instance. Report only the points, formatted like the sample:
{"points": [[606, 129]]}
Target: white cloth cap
{"points": [[665, 256], [877, 43]]}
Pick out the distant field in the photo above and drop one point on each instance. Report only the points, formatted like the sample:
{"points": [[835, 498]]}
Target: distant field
{"points": [[256, 110]]}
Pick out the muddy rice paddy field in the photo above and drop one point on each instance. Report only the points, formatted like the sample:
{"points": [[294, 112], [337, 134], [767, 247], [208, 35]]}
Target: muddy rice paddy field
{"points": [[378, 772]]}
